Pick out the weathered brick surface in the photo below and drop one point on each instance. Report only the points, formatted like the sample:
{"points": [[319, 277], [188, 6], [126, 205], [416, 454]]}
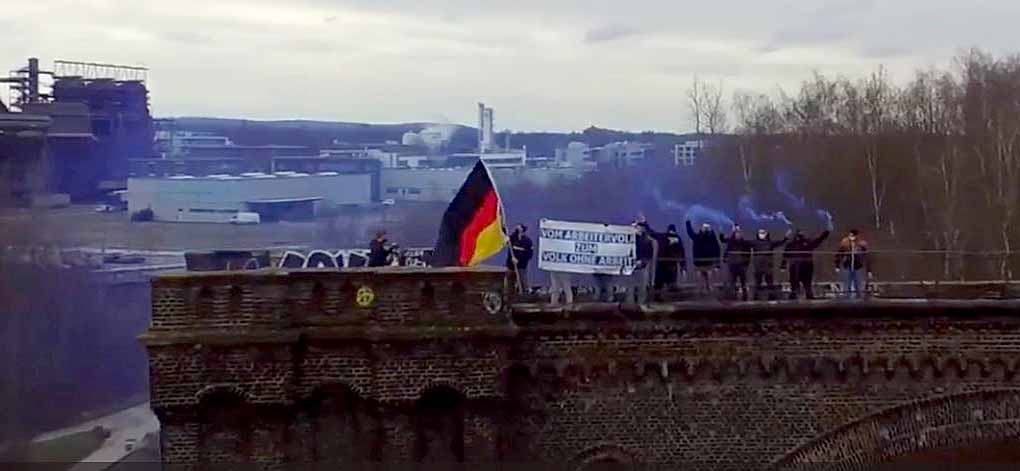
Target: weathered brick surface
{"points": [[311, 375]]}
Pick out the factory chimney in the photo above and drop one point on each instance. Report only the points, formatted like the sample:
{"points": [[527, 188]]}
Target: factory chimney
{"points": [[485, 138], [33, 80]]}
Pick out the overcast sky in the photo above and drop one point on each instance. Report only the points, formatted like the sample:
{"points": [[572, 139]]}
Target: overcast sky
{"points": [[542, 64]]}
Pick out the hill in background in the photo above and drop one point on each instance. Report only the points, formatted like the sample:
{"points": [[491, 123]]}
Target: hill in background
{"points": [[319, 134]]}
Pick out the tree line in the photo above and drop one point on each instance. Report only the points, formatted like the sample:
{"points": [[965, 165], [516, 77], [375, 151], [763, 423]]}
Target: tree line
{"points": [[933, 163]]}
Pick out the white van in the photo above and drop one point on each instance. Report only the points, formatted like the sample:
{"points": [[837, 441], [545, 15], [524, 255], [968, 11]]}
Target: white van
{"points": [[245, 218]]}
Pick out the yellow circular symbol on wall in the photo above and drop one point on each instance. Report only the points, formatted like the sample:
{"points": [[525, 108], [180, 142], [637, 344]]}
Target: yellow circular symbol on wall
{"points": [[365, 296]]}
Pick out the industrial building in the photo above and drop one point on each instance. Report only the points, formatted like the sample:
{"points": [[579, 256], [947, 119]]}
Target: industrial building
{"points": [[100, 119], [22, 157], [217, 198], [687, 153], [387, 157], [614, 154], [440, 185], [493, 156]]}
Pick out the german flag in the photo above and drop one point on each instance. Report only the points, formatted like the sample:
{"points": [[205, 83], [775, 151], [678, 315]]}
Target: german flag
{"points": [[472, 228]]}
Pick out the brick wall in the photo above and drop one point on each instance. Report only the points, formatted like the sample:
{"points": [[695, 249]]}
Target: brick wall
{"points": [[706, 387]]}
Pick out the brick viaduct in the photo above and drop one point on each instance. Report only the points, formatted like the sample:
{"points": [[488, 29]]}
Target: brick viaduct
{"points": [[436, 366]]}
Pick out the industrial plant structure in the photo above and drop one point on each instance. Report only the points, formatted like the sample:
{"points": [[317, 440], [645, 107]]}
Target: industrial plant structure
{"points": [[99, 117]]}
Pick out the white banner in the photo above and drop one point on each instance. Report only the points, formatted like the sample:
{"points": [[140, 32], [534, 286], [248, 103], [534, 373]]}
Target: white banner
{"points": [[582, 247]]}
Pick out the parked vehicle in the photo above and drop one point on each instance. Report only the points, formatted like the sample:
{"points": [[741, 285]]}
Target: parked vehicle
{"points": [[246, 218]]}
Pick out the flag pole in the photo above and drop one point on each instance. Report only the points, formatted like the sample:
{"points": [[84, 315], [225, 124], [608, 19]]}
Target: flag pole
{"points": [[502, 225]]}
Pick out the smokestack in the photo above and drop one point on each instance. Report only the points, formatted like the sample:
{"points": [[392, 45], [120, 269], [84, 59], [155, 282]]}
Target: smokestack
{"points": [[481, 126], [33, 80], [485, 139]]}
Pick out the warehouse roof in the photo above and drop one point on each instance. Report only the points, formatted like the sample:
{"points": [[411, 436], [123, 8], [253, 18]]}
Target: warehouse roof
{"points": [[285, 200]]}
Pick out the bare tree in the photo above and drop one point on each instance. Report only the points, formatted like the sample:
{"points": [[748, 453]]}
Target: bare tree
{"points": [[695, 102], [878, 99], [715, 108], [992, 114], [931, 114], [756, 118], [707, 106]]}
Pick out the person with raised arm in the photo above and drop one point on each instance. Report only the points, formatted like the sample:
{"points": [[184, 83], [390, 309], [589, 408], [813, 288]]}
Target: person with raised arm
{"points": [[800, 258], [706, 252]]}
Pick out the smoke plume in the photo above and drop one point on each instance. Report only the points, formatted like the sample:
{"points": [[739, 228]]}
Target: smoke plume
{"points": [[799, 203]]}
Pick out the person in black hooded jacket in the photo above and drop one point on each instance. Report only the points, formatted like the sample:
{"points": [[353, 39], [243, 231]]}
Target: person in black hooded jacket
{"points": [[706, 251], [763, 258], [738, 258], [798, 255], [671, 259]]}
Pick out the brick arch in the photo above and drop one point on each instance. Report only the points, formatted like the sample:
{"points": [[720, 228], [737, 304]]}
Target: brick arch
{"points": [[514, 375], [322, 393], [318, 391], [340, 425], [442, 385], [439, 425], [929, 424], [612, 453], [225, 419], [214, 390]]}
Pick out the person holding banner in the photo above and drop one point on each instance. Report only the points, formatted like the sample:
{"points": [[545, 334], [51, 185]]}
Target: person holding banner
{"points": [[641, 278], [605, 251], [560, 282]]}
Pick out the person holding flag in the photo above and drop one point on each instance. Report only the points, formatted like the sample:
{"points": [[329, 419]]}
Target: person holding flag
{"points": [[472, 229], [517, 258]]}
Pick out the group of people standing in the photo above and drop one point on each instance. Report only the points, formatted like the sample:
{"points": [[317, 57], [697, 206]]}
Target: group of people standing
{"points": [[662, 258], [738, 256], [714, 251]]}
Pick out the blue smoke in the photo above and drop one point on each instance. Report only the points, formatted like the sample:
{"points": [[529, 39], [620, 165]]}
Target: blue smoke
{"points": [[825, 215], [699, 214], [783, 187], [799, 204], [665, 203], [695, 213], [746, 207]]}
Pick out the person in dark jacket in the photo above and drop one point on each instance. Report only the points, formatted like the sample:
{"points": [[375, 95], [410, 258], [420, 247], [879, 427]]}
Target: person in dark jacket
{"points": [[706, 251], [671, 261], [851, 259], [379, 251], [645, 251], [799, 256], [763, 258], [517, 258], [738, 258]]}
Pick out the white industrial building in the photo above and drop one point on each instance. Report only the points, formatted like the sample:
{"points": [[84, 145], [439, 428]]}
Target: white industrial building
{"points": [[576, 154], [615, 154], [386, 158], [216, 198], [440, 185], [686, 154], [424, 184]]}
